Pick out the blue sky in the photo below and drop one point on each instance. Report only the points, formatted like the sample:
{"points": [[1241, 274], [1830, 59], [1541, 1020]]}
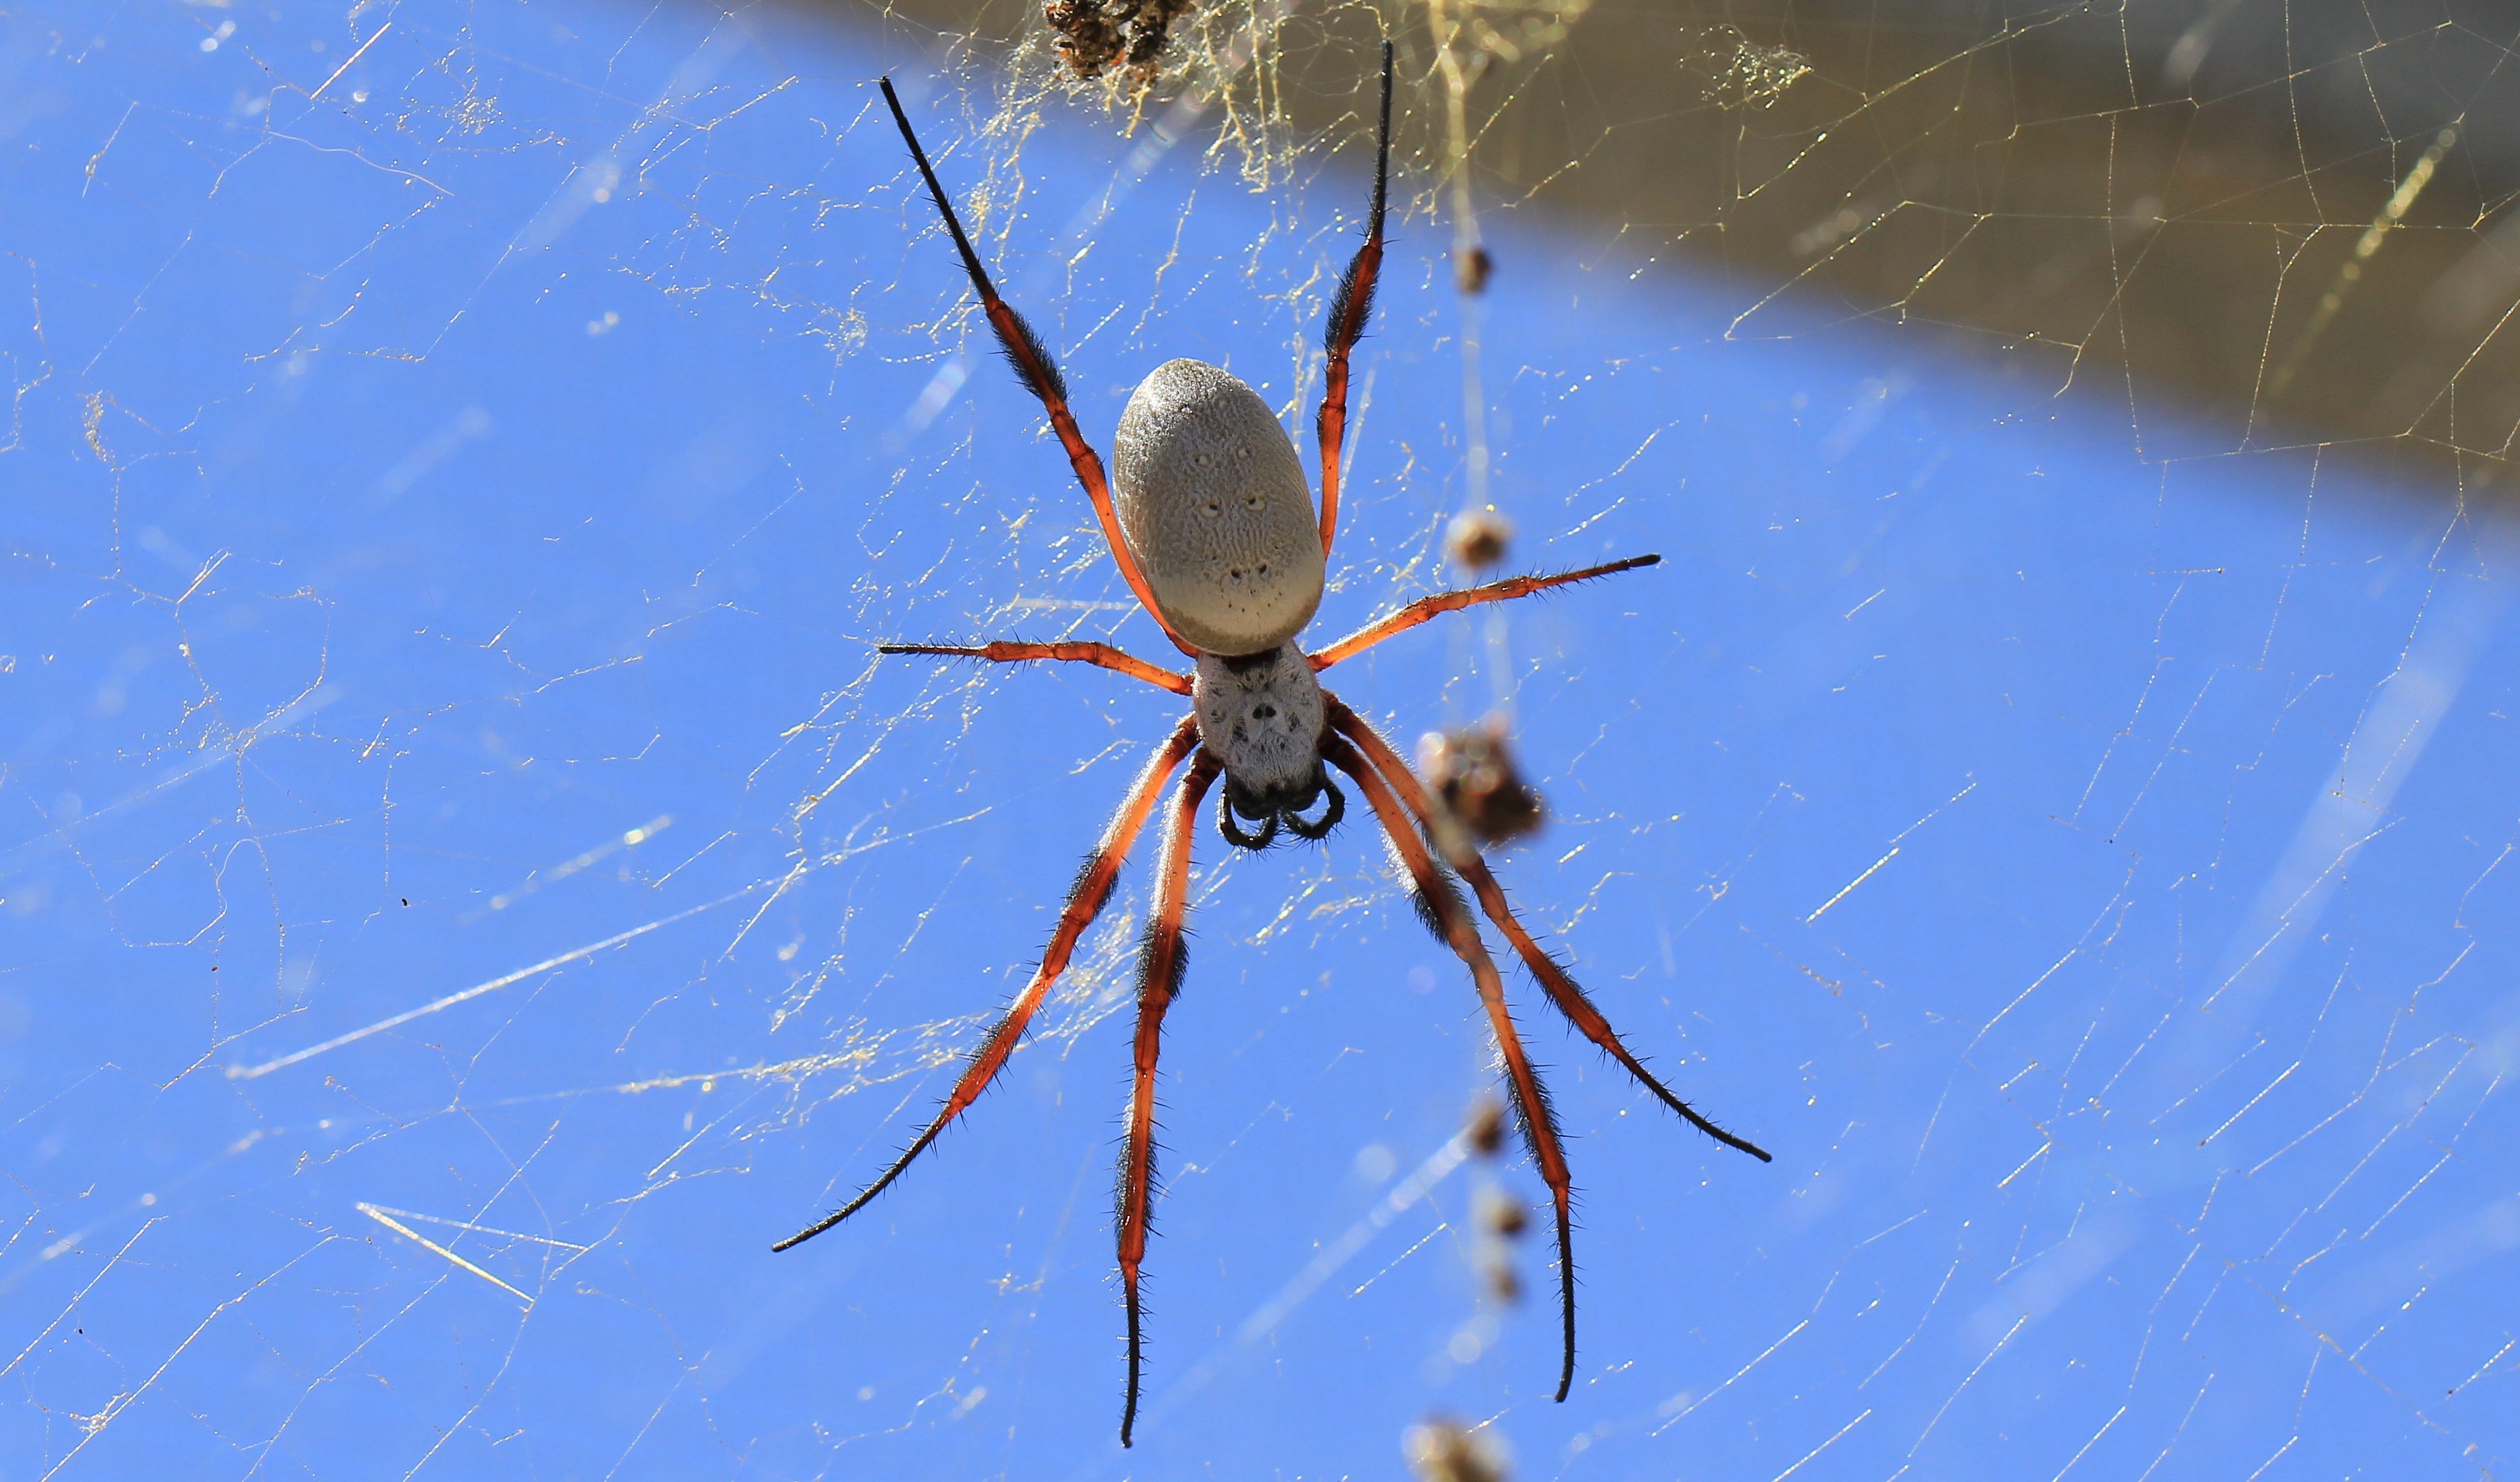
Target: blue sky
{"points": [[470, 884]]}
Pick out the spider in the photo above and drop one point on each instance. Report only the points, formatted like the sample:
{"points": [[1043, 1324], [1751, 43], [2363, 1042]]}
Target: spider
{"points": [[1211, 523]]}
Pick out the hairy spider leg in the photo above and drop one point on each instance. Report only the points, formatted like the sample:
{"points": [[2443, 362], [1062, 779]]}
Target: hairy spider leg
{"points": [[1103, 655], [1439, 902], [1031, 360], [1554, 980], [1084, 902], [1426, 607], [1349, 310], [1159, 977]]}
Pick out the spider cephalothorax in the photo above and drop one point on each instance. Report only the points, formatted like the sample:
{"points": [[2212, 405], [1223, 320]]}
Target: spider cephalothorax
{"points": [[1215, 532], [1260, 716]]}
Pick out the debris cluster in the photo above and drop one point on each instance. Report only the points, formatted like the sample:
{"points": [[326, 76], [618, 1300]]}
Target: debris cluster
{"points": [[1501, 1217], [1472, 772], [1444, 1450], [1476, 540], [1096, 36]]}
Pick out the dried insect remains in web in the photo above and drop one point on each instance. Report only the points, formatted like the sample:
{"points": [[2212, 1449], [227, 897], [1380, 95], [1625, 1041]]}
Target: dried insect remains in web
{"points": [[1211, 524]]}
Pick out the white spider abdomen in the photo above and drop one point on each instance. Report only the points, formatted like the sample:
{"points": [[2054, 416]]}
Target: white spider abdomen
{"points": [[1261, 716], [1213, 501]]}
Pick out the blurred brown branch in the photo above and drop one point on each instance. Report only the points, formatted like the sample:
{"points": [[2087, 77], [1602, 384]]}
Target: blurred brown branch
{"points": [[2188, 207]]}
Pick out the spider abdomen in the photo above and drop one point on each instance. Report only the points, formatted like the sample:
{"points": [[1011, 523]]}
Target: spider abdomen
{"points": [[1212, 499]]}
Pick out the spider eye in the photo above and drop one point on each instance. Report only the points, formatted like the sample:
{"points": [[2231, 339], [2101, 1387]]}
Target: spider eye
{"points": [[1212, 509]]}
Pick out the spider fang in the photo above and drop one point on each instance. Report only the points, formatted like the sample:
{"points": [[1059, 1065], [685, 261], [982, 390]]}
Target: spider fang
{"points": [[1233, 835]]}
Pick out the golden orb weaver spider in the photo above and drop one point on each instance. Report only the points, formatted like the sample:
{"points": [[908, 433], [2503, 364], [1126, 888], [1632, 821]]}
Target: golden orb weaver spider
{"points": [[1210, 522]]}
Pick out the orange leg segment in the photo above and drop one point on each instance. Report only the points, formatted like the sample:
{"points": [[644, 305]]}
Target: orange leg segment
{"points": [[1031, 361], [1442, 902], [1103, 655], [1159, 973], [1348, 312], [1554, 980], [1426, 607], [1084, 902]]}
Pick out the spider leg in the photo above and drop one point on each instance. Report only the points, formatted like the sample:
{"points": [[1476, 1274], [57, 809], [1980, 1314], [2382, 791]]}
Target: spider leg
{"points": [[1426, 607], [1554, 980], [1159, 975], [1103, 655], [1084, 902], [1439, 901], [1031, 360], [1348, 312]]}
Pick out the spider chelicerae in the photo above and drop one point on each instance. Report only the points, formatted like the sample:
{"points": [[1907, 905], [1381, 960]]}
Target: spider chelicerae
{"points": [[1210, 522]]}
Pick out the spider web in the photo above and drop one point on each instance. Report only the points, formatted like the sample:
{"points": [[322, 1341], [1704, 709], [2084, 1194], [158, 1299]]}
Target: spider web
{"points": [[469, 885]]}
